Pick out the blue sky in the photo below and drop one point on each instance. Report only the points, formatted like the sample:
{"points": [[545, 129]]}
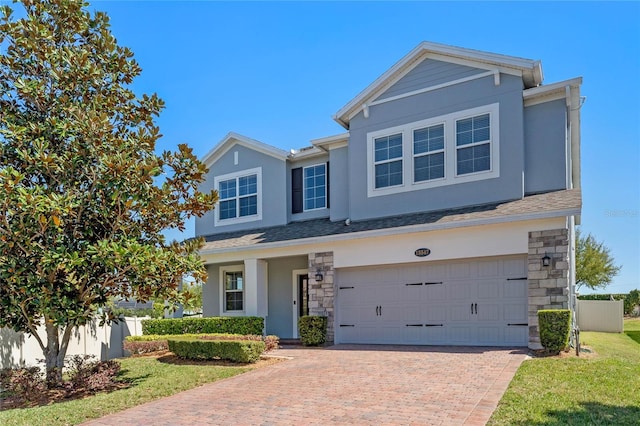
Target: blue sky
{"points": [[277, 72]]}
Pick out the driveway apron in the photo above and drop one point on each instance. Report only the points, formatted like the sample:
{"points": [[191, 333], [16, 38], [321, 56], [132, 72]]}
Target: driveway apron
{"points": [[346, 384]]}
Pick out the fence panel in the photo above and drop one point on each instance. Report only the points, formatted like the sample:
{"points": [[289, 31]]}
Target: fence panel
{"points": [[18, 349], [601, 315]]}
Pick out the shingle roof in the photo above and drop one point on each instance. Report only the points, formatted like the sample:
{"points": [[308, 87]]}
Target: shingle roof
{"points": [[563, 202]]}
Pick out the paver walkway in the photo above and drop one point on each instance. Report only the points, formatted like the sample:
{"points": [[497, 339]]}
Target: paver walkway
{"points": [[346, 384]]}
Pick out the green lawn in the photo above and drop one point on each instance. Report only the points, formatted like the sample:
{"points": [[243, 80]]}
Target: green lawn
{"points": [[150, 379], [603, 389]]}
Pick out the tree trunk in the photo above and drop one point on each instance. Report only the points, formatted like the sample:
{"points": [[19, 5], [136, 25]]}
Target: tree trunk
{"points": [[55, 353]]}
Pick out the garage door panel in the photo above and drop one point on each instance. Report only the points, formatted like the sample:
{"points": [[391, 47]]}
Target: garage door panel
{"points": [[488, 311], [435, 314], [515, 312], [488, 268], [435, 293], [460, 312], [436, 335], [516, 335], [440, 293]]}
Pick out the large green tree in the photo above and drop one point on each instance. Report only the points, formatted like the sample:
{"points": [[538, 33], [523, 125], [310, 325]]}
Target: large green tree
{"points": [[595, 267], [84, 197]]}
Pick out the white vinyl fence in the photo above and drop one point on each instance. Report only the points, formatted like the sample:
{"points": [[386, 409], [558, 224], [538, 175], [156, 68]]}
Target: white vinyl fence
{"points": [[600, 315], [17, 349]]}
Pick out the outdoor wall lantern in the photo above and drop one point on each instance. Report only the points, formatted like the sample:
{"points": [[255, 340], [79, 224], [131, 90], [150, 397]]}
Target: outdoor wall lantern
{"points": [[546, 260], [319, 276]]}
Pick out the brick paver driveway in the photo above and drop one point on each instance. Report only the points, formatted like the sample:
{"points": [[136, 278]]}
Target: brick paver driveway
{"points": [[346, 384]]}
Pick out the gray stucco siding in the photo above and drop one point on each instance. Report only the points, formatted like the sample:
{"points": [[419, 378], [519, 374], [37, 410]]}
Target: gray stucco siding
{"points": [[211, 292], [273, 198], [280, 294], [429, 73], [339, 177], [545, 145], [472, 94]]}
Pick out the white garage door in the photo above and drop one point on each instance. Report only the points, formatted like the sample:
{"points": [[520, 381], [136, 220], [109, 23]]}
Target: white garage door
{"points": [[480, 303]]}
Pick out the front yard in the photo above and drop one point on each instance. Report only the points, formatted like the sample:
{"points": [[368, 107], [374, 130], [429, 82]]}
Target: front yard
{"points": [[594, 389], [149, 378]]}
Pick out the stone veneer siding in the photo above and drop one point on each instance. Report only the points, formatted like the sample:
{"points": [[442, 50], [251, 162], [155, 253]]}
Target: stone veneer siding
{"points": [[321, 293], [548, 285]]}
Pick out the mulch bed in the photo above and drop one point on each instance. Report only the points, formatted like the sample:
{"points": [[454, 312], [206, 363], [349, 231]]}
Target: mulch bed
{"points": [[53, 396]]}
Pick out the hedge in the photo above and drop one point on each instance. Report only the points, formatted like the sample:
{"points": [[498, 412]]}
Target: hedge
{"points": [[313, 330], [554, 325], [137, 345], [230, 350], [209, 325]]}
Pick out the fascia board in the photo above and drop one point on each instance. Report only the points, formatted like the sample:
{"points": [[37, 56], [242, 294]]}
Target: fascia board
{"points": [[402, 230], [233, 138], [543, 90]]}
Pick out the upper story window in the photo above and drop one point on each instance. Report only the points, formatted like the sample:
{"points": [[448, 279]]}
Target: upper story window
{"points": [[473, 142], [388, 160], [310, 188], [315, 187], [428, 153], [454, 148], [239, 197]]}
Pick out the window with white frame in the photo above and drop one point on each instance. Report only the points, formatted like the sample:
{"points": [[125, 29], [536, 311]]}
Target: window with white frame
{"points": [[388, 161], [233, 282], [428, 153], [453, 148], [473, 144], [239, 197], [315, 187]]}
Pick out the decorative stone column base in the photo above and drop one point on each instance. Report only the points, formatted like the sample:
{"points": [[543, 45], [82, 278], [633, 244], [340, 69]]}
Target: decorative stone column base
{"points": [[548, 285], [321, 293]]}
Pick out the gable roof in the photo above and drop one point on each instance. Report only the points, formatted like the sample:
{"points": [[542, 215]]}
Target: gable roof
{"points": [[538, 206], [530, 71], [232, 139]]}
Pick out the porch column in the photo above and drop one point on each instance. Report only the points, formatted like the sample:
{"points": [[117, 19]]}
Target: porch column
{"points": [[255, 287]]}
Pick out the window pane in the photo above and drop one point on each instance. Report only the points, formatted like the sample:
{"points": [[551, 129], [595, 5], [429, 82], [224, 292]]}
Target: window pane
{"points": [[227, 189], [428, 139], [233, 280], [388, 174], [473, 130], [233, 301], [474, 159], [388, 147], [429, 167], [248, 185], [248, 205], [227, 209]]}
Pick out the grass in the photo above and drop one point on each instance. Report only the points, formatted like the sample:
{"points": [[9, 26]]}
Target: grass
{"points": [[150, 379], [601, 389], [632, 328]]}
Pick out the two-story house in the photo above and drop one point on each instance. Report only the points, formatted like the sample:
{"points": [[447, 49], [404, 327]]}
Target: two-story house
{"points": [[444, 214]]}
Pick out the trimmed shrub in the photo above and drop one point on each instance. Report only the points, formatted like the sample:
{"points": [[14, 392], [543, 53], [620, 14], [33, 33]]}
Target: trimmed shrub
{"points": [[230, 350], [209, 325], [554, 325], [270, 342], [313, 330], [138, 345]]}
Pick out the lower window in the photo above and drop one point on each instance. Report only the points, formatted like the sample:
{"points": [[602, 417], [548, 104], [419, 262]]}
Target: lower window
{"points": [[233, 291]]}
